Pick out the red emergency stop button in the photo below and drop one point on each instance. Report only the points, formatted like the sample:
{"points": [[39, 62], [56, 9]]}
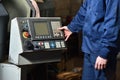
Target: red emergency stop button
{"points": [[26, 34]]}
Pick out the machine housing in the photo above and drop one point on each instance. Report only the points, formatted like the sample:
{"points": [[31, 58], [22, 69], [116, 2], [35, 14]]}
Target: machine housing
{"points": [[36, 40]]}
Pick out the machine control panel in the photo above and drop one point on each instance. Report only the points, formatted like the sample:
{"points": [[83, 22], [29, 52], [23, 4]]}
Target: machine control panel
{"points": [[36, 40], [41, 33]]}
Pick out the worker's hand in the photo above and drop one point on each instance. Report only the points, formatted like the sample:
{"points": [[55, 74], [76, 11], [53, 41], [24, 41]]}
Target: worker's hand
{"points": [[100, 63], [67, 32]]}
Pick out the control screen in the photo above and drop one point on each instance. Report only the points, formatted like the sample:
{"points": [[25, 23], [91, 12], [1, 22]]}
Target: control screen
{"points": [[41, 28], [55, 25]]}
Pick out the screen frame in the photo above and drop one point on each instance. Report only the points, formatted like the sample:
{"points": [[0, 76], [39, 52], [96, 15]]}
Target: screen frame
{"points": [[48, 21], [32, 29]]}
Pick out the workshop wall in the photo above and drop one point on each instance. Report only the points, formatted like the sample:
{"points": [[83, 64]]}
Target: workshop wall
{"points": [[66, 9]]}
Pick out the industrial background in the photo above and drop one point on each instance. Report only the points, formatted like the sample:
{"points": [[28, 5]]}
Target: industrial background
{"points": [[70, 66]]}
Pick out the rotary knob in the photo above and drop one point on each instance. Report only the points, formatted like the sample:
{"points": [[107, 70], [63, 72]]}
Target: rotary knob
{"points": [[28, 45]]}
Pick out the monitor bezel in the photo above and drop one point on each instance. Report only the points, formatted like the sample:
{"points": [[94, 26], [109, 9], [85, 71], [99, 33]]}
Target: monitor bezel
{"points": [[32, 30]]}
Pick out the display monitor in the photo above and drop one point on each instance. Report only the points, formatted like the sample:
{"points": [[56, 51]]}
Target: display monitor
{"points": [[45, 29], [41, 28]]}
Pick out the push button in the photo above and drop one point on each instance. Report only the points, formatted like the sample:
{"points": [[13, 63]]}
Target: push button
{"points": [[26, 34], [52, 44]]}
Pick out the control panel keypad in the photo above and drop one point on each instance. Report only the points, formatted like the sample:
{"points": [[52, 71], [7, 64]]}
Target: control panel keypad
{"points": [[38, 45]]}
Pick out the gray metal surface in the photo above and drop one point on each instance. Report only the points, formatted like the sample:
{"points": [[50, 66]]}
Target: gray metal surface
{"points": [[9, 72]]}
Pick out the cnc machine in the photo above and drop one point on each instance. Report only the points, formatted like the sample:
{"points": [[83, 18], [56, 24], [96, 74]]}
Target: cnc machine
{"points": [[32, 40]]}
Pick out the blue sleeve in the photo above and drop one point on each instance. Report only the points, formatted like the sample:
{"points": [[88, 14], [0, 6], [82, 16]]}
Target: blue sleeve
{"points": [[111, 27], [78, 21]]}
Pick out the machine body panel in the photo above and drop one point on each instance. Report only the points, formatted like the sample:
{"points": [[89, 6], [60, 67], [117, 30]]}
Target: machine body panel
{"points": [[36, 36]]}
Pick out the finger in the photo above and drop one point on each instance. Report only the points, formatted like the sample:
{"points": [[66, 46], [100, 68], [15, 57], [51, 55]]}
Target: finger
{"points": [[61, 28], [65, 35], [104, 66], [66, 38], [101, 67], [96, 65]]}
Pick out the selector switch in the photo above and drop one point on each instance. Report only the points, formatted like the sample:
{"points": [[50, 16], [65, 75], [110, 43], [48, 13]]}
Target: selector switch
{"points": [[24, 26], [28, 45]]}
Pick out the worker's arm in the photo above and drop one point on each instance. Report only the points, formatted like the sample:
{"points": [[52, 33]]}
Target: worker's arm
{"points": [[111, 30], [77, 22], [110, 26]]}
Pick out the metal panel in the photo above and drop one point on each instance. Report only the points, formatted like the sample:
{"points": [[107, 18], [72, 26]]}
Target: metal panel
{"points": [[9, 72]]}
